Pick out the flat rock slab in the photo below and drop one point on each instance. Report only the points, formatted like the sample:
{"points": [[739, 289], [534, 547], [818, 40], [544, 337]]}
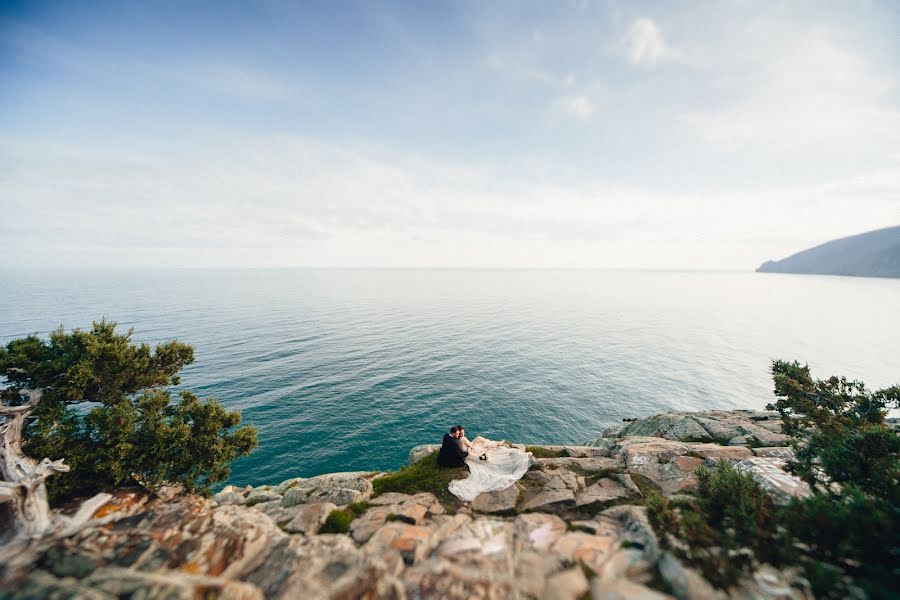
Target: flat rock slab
{"points": [[417, 453], [728, 427], [770, 474], [337, 488], [592, 550], [662, 461], [587, 451], [782, 452], [588, 465], [605, 490], [306, 518], [717, 451], [550, 499], [538, 531], [499, 501]]}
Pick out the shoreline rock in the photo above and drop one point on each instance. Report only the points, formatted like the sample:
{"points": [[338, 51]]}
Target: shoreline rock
{"points": [[569, 529]]}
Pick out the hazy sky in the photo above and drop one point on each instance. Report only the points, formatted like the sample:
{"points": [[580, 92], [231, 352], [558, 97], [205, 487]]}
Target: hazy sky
{"points": [[454, 134]]}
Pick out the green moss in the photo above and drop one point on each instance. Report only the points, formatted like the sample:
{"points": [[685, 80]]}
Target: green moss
{"points": [[358, 508], [424, 476], [338, 521], [540, 452]]}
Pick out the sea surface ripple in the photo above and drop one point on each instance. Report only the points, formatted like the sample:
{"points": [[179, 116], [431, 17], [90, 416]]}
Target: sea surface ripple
{"points": [[347, 369]]}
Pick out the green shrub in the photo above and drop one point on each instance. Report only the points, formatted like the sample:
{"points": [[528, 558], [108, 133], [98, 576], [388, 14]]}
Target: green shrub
{"points": [[845, 537], [724, 530], [133, 433], [338, 521], [423, 476]]}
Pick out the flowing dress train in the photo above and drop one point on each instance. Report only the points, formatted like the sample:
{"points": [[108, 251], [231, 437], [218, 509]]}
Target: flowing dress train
{"points": [[503, 467]]}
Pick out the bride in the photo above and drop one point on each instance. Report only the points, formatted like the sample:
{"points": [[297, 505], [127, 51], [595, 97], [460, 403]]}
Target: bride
{"points": [[493, 466]]}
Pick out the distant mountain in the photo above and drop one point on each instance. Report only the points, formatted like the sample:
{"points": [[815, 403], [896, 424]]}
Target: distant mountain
{"points": [[871, 254]]}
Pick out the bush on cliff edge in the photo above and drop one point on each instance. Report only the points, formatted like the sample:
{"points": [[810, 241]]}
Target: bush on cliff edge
{"points": [[108, 411], [845, 536]]}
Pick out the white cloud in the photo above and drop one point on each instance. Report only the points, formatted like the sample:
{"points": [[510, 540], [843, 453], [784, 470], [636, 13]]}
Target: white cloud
{"points": [[800, 89], [644, 43], [579, 106]]}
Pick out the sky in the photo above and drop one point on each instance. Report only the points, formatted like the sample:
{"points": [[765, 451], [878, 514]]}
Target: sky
{"points": [[471, 134]]}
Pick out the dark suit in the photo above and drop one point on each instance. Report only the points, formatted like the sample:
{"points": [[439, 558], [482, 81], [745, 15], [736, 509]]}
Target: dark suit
{"points": [[451, 454]]}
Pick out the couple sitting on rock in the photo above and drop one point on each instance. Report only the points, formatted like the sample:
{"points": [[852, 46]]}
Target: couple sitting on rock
{"points": [[455, 448], [493, 466]]}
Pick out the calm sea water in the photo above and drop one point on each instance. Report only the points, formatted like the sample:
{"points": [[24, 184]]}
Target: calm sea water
{"points": [[346, 370]]}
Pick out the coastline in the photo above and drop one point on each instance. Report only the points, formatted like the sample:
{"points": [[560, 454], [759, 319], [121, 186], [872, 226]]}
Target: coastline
{"points": [[573, 526]]}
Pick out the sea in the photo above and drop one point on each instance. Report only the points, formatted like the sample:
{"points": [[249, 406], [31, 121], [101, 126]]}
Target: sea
{"points": [[348, 369]]}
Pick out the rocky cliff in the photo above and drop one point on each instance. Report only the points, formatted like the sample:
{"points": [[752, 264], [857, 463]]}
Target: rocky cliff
{"points": [[573, 527]]}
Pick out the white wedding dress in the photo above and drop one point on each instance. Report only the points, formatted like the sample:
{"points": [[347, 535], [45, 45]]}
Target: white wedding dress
{"points": [[503, 467]]}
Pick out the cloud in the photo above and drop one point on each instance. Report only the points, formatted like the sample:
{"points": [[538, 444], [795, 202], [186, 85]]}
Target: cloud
{"points": [[579, 106], [799, 89], [644, 43]]}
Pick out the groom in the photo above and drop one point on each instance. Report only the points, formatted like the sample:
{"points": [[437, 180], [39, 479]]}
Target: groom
{"points": [[452, 454]]}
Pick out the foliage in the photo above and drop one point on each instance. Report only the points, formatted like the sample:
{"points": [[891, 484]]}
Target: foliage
{"points": [[851, 459], [130, 432], [845, 537], [838, 430], [423, 476], [724, 530], [340, 518]]}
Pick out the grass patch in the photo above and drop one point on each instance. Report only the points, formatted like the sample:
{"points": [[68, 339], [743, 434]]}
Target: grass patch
{"points": [[540, 452], [339, 520], [424, 476]]}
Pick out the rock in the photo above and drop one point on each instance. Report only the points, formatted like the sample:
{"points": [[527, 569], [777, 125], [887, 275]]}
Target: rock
{"points": [[285, 485], [364, 527], [605, 490], [588, 465], [337, 488], [444, 580], [550, 499], [587, 451], [636, 529], [783, 452], [570, 584], [484, 536], [258, 496], [770, 474], [532, 570], [417, 453], [537, 531], [307, 518], [229, 498], [494, 502], [671, 426], [589, 550], [623, 589], [685, 582], [662, 461], [716, 451], [730, 427], [742, 427], [391, 498], [399, 544], [322, 566]]}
